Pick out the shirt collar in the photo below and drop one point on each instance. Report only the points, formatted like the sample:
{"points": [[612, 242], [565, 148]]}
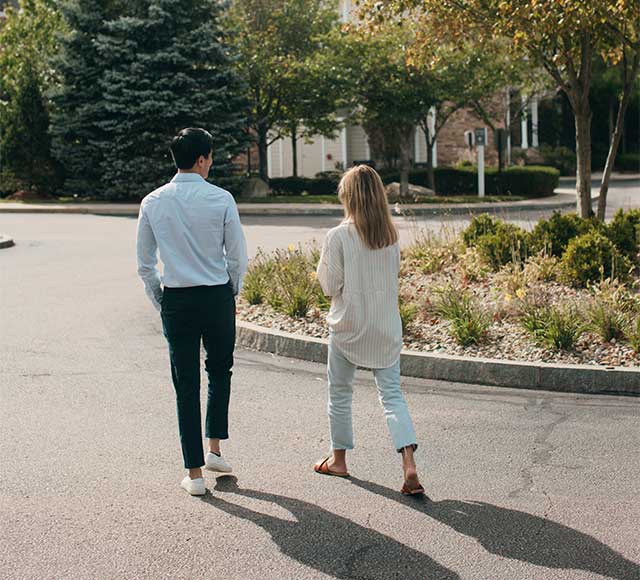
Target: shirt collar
{"points": [[187, 178]]}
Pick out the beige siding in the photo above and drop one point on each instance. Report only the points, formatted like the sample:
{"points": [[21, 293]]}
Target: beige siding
{"points": [[310, 157], [357, 145], [333, 152]]}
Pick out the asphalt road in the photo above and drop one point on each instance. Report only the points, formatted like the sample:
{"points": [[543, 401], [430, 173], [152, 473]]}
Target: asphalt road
{"points": [[522, 485]]}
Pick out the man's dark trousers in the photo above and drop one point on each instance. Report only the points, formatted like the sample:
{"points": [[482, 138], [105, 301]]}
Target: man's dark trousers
{"points": [[189, 316]]}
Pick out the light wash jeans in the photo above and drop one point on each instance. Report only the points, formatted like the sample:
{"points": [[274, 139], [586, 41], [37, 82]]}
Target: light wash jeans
{"points": [[340, 373]]}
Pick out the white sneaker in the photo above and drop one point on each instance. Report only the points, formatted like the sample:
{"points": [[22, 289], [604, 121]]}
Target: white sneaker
{"points": [[214, 463], [194, 486]]}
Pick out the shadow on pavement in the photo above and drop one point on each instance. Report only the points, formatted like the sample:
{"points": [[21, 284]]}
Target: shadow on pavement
{"points": [[518, 535], [330, 543]]}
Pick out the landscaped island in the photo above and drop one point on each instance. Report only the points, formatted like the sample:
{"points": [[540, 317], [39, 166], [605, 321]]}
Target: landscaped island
{"points": [[568, 291]]}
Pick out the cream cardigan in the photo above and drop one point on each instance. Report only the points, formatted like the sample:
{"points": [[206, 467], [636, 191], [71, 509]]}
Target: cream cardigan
{"points": [[364, 319]]}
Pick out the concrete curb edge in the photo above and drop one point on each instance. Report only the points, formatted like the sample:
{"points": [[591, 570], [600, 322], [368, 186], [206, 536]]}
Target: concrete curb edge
{"points": [[320, 210], [491, 372]]}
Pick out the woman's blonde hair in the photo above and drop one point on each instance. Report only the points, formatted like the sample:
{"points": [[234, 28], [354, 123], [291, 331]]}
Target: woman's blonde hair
{"points": [[365, 203]]}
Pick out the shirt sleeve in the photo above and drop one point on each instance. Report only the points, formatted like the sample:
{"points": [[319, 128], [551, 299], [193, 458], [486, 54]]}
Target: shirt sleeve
{"points": [[235, 247], [147, 254], [330, 269]]}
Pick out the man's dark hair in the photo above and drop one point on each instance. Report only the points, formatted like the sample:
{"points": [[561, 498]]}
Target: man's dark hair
{"points": [[188, 145]]}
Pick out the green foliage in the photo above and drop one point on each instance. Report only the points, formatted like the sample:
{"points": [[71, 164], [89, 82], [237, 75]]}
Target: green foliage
{"points": [[554, 327], [153, 86], [542, 268], [552, 235], [605, 320], [408, 312], [78, 101], [628, 162], [624, 231], [131, 78], [592, 257], [286, 281], [300, 185], [28, 35], [632, 333], [529, 181], [499, 243], [25, 144], [562, 158], [469, 323], [280, 48], [256, 281], [481, 225]]}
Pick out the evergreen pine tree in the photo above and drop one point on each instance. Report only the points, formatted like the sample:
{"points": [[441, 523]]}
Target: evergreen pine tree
{"points": [[25, 145], [166, 68], [77, 102]]}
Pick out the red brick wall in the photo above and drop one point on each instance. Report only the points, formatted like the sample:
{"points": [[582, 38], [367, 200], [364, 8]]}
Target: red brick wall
{"points": [[451, 144]]}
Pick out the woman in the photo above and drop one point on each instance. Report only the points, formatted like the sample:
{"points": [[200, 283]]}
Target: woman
{"points": [[358, 269]]}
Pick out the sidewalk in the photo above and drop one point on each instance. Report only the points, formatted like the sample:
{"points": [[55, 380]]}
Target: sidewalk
{"points": [[564, 198], [558, 201]]}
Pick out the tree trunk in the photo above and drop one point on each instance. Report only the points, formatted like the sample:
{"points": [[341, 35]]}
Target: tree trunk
{"points": [[583, 161], [613, 149], [263, 136], [405, 162], [294, 147]]}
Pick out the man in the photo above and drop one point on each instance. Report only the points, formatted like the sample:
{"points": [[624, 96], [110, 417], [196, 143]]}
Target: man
{"points": [[196, 228]]}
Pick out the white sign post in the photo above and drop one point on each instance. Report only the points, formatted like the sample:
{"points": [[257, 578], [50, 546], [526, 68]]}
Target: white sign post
{"points": [[481, 141]]}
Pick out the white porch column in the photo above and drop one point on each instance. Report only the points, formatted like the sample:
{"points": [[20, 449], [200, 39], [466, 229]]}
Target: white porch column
{"points": [[523, 125], [270, 160], [281, 142], [367, 147], [416, 145], [534, 123], [324, 153]]}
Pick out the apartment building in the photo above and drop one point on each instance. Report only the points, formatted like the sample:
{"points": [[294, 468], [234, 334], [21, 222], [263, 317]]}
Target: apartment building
{"points": [[352, 144]]}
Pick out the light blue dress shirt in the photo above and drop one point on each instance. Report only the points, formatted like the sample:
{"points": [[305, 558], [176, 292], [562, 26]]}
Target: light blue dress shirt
{"points": [[196, 228]]}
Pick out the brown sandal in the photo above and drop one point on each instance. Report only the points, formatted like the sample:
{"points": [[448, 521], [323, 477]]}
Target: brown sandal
{"points": [[323, 468], [406, 490]]}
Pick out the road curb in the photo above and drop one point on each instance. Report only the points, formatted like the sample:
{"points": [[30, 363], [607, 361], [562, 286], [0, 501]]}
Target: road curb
{"points": [[261, 210], [6, 242], [492, 372]]}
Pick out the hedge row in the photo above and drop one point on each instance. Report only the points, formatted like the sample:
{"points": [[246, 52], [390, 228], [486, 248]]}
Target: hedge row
{"points": [[530, 181]]}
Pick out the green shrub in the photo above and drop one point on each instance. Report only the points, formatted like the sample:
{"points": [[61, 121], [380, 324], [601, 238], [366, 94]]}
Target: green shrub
{"points": [[480, 225], [430, 254], [605, 320], [469, 322], [552, 235], [624, 231], [592, 257], [408, 311], [628, 162], [632, 333], [508, 244], [562, 158], [542, 268], [498, 242], [295, 276], [530, 181], [326, 185], [556, 328], [255, 286]]}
